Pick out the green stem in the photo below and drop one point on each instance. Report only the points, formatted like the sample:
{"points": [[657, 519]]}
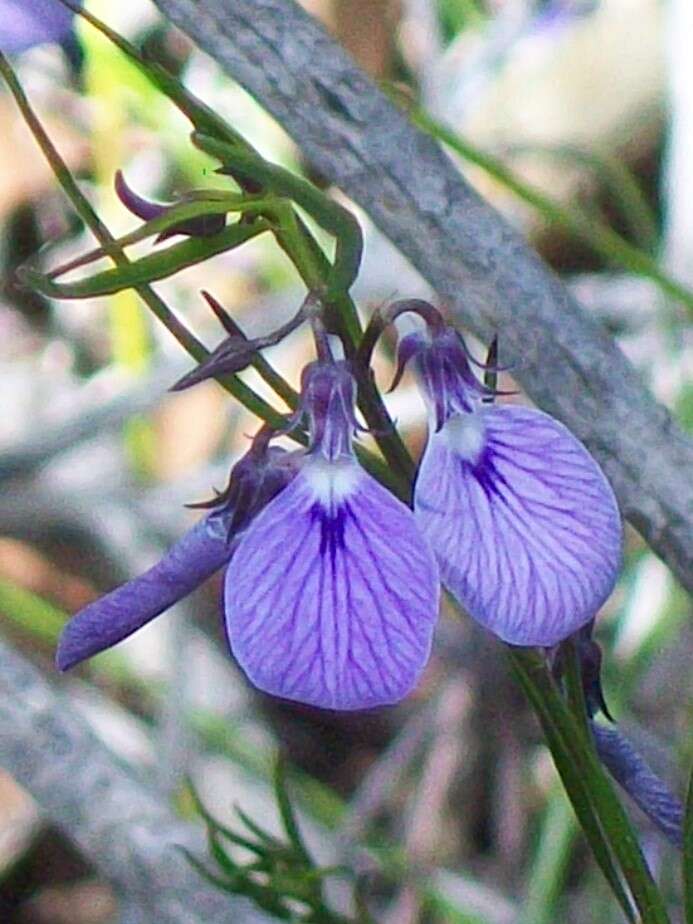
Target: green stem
{"points": [[336, 220], [620, 182], [575, 691], [600, 813], [318, 274], [603, 239], [187, 340], [151, 268], [297, 241]]}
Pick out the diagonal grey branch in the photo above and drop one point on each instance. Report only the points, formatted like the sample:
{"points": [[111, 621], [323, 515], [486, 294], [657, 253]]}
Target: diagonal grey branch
{"points": [[124, 828], [488, 276]]}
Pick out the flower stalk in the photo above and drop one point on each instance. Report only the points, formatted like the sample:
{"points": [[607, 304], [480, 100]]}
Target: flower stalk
{"points": [[341, 552]]}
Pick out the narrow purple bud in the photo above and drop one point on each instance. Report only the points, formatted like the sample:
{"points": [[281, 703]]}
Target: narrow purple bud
{"points": [[25, 23], [110, 619], [523, 522], [644, 787], [202, 226], [332, 595], [255, 480]]}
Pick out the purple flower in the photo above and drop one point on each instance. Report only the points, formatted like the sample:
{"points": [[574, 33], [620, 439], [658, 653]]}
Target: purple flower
{"points": [[332, 594], [649, 792], [208, 546], [523, 523], [25, 23]]}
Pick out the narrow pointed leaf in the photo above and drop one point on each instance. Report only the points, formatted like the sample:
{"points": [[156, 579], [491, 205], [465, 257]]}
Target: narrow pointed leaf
{"points": [[150, 268], [286, 810], [180, 213]]}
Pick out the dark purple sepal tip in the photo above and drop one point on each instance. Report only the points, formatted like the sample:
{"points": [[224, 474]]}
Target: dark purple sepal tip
{"points": [[202, 226], [234, 354]]}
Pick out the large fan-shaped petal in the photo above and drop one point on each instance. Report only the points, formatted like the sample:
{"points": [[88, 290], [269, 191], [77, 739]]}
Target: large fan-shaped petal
{"points": [[524, 524], [110, 619], [332, 594]]}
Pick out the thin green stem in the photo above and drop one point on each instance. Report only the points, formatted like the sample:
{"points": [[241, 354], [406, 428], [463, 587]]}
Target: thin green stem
{"points": [[603, 239], [151, 268], [618, 179], [600, 812], [297, 241], [575, 691], [187, 340], [336, 220], [318, 275]]}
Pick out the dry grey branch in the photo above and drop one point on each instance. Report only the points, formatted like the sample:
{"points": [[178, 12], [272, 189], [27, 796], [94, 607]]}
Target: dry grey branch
{"points": [[124, 828], [488, 276]]}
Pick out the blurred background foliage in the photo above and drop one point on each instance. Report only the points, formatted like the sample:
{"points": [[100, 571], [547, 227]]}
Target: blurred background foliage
{"points": [[575, 119]]}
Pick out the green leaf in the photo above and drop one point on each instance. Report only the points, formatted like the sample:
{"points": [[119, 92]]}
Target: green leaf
{"points": [[256, 829], [150, 268], [287, 813], [337, 221]]}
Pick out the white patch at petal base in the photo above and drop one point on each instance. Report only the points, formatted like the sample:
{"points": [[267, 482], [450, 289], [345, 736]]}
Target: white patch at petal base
{"points": [[466, 436], [332, 482]]}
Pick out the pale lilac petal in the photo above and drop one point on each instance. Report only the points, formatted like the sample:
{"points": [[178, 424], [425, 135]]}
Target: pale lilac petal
{"points": [[24, 23], [198, 554], [524, 524], [332, 595]]}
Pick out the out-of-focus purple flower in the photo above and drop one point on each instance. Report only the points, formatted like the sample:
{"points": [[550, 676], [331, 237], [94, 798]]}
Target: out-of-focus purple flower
{"points": [[557, 15], [208, 546], [25, 23], [202, 226], [523, 522], [650, 793], [332, 594]]}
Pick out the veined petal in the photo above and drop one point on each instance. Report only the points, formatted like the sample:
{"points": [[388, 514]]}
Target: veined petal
{"points": [[332, 595], [110, 619], [524, 524]]}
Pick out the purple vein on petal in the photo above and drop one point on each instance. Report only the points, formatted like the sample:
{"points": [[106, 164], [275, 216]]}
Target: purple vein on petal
{"points": [[198, 554], [524, 525], [332, 595]]}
